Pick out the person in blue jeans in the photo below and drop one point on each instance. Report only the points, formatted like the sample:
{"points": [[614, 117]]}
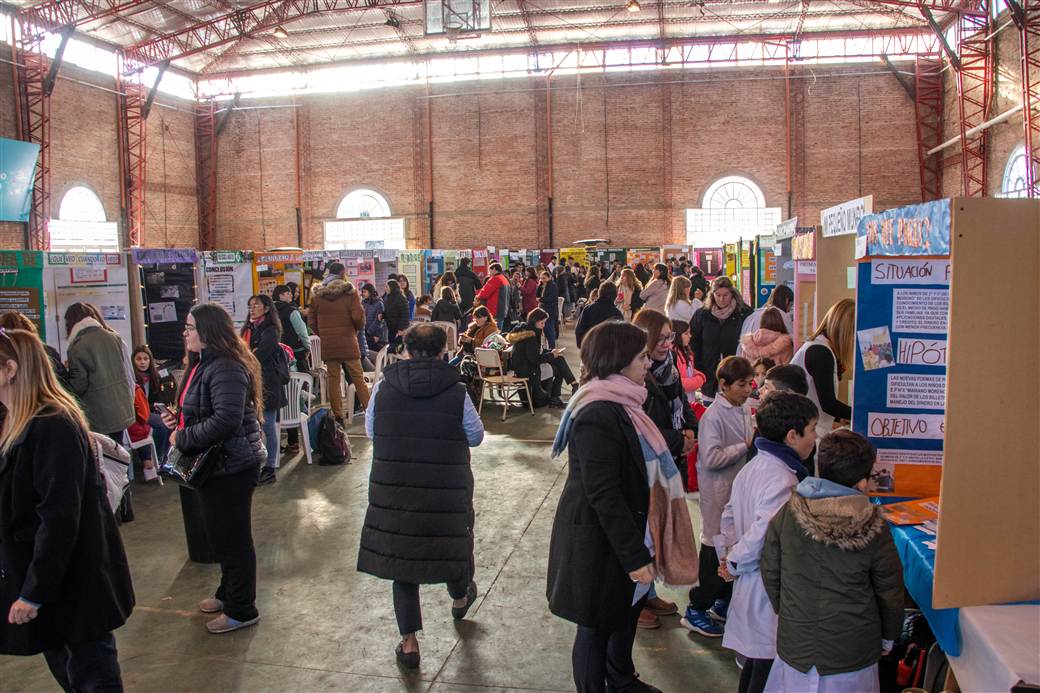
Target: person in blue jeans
{"points": [[262, 332]]}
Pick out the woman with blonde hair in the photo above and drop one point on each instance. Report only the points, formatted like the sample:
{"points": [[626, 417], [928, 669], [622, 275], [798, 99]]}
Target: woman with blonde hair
{"points": [[66, 582], [826, 357], [679, 305], [13, 320], [628, 298]]}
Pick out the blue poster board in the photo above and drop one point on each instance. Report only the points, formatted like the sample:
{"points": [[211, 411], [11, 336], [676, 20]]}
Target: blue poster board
{"points": [[434, 266], [17, 167], [902, 307]]}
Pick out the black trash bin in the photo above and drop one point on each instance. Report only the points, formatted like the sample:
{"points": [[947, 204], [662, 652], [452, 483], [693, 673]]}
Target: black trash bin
{"points": [[199, 548]]}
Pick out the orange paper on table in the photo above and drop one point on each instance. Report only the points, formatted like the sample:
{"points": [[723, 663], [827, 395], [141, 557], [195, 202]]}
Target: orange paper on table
{"points": [[915, 512]]}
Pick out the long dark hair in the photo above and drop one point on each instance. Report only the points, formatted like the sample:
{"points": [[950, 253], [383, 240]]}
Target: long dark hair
{"points": [[152, 374], [271, 315], [679, 328], [80, 311], [392, 287], [609, 347], [217, 332]]}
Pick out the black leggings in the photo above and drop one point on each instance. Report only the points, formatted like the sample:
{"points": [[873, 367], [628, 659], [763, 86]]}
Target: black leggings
{"points": [[87, 666], [754, 675], [711, 586], [543, 391], [601, 655]]}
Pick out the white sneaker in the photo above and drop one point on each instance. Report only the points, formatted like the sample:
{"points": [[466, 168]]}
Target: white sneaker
{"points": [[150, 474]]}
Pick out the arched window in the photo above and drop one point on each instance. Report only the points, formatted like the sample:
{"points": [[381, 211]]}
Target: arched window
{"points": [[82, 225], [364, 222], [733, 208], [1014, 183]]}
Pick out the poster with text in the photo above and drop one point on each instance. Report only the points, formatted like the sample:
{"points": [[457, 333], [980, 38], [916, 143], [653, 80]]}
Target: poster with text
{"points": [[167, 293], [227, 281], [902, 306], [409, 263], [100, 279], [434, 268], [21, 285], [647, 256], [274, 268]]}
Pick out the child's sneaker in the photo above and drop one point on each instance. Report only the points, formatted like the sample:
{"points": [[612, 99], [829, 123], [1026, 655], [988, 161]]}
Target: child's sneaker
{"points": [[718, 610], [699, 622]]}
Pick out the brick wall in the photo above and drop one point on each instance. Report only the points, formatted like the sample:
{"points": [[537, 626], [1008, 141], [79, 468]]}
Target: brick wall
{"points": [[629, 154], [1003, 137], [85, 151]]}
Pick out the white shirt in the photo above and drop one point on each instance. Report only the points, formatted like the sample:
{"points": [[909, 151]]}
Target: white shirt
{"points": [[683, 310], [825, 423], [761, 488]]}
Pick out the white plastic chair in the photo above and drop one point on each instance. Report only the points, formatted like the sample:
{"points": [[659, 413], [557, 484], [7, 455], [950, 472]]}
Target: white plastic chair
{"points": [[294, 416], [452, 331], [315, 345], [318, 369], [147, 442], [503, 387]]}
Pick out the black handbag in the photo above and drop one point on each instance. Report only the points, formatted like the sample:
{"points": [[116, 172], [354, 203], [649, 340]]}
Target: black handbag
{"points": [[192, 470]]}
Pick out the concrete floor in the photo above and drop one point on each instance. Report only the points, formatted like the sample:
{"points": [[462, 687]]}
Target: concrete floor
{"points": [[327, 627]]}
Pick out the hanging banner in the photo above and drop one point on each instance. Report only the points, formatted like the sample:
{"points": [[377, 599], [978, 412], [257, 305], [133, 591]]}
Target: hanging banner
{"points": [[785, 229], [21, 286], [274, 268], [710, 260], [648, 256], [100, 279], [803, 245], [17, 170], [227, 280], [167, 294], [844, 218], [902, 307], [409, 263]]}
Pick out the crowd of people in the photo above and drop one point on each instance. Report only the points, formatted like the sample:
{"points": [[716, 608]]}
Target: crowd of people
{"points": [[683, 388]]}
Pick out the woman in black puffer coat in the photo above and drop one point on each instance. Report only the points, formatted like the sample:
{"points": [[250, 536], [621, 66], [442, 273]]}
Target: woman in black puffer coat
{"points": [[219, 398]]}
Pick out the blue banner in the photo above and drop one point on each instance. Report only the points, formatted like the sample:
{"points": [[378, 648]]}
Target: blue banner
{"points": [[17, 167], [915, 230]]}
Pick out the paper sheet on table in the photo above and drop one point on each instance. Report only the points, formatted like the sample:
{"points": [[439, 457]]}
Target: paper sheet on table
{"points": [[915, 512]]}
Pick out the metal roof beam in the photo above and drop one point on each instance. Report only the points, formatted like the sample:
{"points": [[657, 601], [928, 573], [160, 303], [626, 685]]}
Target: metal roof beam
{"points": [[908, 85], [225, 28], [52, 73], [951, 54], [526, 17], [54, 15]]}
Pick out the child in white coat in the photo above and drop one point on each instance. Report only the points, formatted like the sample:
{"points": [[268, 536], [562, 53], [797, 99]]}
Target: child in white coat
{"points": [[786, 436], [726, 432]]}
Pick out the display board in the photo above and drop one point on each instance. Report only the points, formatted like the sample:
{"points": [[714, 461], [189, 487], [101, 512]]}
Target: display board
{"points": [[843, 219], [434, 267], [314, 266], [609, 255], [21, 286], [409, 264], [227, 280], [17, 170], [386, 263], [902, 305], [835, 280], [167, 277], [101, 279], [710, 260], [676, 252], [361, 271], [480, 262], [731, 257], [278, 267], [577, 255], [765, 262], [545, 255], [648, 256], [747, 277], [986, 550], [451, 260]]}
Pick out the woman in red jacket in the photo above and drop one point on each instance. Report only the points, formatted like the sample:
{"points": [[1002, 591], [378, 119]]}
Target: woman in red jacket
{"points": [[529, 291]]}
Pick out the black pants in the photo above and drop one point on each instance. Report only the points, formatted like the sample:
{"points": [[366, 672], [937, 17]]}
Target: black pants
{"points": [[227, 508], [87, 667], [544, 390], [711, 586], [754, 675], [407, 608], [603, 655]]}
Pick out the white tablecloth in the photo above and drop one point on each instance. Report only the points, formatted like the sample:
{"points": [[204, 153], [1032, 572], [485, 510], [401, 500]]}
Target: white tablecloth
{"points": [[1001, 648]]}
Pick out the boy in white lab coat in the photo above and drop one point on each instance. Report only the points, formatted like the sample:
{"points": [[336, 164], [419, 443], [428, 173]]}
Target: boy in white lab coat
{"points": [[786, 437]]}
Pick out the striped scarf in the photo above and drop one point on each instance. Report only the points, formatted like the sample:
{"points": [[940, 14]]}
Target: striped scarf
{"points": [[669, 531]]}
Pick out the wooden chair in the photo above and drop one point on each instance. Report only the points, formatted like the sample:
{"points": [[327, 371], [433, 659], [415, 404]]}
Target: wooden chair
{"points": [[504, 388]]}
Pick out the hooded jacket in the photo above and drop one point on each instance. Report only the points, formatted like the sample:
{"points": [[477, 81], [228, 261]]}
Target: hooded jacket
{"points": [[419, 524], [468, 285], [527, 352], [336, 316], [767, 344], [98, 376], [833, 575]]}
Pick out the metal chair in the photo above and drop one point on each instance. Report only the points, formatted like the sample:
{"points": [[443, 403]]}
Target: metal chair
{"points": [[502, 384], [292, 415]]}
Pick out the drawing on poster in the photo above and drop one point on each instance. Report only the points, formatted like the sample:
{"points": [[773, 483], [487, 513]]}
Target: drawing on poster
{"points": [[915, 391], [113, 312], [875, 345], [172, 291], [883, 477], [155, 278], [165, 311], [922, 352], [896, 456], [920, 310]]}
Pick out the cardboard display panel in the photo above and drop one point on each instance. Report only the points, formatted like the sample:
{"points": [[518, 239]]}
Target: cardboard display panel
{"points": [[835, 280], [98, 278], [21, 286], [766, 265], [710, 260], [648, 256], [227, 280], [987, 549], [167, 277], [410, 264], [274, 268]]}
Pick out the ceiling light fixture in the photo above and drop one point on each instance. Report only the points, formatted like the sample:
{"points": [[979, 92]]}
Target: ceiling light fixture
{"points": [[280, 32], [633, 6]]}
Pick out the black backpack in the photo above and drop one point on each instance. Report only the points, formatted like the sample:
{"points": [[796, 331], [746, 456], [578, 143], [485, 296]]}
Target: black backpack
{"points": [[281, 364], [333, 446]]}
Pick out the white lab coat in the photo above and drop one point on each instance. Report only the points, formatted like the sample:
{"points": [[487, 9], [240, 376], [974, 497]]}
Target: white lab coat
{"points": [[784, 678], [761, 488], [722, 450]]}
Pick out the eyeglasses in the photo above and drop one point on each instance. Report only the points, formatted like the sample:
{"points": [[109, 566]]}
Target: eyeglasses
{"points": [[190, 328], [666, 339]]}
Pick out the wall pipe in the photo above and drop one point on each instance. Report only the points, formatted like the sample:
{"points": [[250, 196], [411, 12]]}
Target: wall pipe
{"points": [[1006, 115]]}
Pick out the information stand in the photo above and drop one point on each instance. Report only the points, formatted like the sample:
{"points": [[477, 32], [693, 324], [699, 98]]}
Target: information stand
{"points": [[648, 256], [409, 263], [101, 279], [227, 280], [21, 286], [168, 291], [902, 304], [277, 267]]}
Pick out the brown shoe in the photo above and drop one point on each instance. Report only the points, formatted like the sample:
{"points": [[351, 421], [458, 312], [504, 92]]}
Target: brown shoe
{"points": [[212, 605], [648, 620], [660, 607]]}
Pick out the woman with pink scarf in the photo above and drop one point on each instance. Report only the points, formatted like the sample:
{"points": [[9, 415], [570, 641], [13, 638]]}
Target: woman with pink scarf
{"points": [[716, 331], [622, 520]]}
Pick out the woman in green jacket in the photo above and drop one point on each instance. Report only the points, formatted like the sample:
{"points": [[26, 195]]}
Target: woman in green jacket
{"points": [[100, 373]]}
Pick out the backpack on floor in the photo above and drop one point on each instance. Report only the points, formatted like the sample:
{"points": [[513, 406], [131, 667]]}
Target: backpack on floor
{"points": [[333, 447]]}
